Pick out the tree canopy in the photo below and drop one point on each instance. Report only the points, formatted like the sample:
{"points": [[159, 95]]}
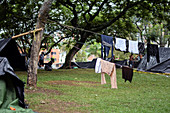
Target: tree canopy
{"points": [[119, 18]]}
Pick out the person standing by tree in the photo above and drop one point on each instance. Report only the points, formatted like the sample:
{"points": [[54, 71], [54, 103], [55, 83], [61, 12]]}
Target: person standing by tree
{"points": [[48, 66], [41, 60]]}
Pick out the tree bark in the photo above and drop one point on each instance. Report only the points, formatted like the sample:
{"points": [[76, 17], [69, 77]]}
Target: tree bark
{"points": [[33, 63]]}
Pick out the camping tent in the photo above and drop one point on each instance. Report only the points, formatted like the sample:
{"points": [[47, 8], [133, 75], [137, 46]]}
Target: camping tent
{"points": [[11, 90], [9, 49], [153, 66], [90, 64]]}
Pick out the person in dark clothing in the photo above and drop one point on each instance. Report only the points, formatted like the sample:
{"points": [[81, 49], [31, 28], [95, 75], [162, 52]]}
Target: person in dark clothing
{"points": [[48, 66], [131, 61], [41, 60], [139, 57]]}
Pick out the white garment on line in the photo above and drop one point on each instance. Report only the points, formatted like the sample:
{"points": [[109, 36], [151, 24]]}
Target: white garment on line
{"points": [[120, 44], [98, 65], [133, 47]]}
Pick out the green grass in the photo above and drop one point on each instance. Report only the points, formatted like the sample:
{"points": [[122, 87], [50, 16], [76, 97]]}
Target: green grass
{"points": [[148, 93]]}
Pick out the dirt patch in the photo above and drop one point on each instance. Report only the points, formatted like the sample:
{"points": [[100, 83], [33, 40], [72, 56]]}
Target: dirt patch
{"points": [[90, 82], [70, 82], [57, 106], [62, 82], [49, 105], [52, 105]]}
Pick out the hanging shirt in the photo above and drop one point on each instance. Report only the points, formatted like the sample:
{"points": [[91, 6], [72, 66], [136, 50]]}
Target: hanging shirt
{"points": [[98, 65], [110, 69], [133, 47], [127, 73], [120, 44], [107, 43], [152, 50]]}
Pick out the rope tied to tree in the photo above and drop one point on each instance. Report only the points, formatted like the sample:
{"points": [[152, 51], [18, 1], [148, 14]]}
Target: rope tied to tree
{"points": [[34, 34]]}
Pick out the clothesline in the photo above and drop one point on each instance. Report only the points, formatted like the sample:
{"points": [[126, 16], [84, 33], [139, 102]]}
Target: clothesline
{"points": [[75, 28], [133, 46], [60, 25]]}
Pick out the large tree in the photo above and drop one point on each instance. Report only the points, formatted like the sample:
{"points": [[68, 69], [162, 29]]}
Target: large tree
{"points": [[41, 21], [110, 17]]}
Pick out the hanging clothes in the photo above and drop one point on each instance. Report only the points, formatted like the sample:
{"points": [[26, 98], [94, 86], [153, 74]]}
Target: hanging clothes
{"points": [[98, 66], [141, 47], [133, 47], [120, 44], [152, 50], [127, 73], [109, 68], [107, 43]]}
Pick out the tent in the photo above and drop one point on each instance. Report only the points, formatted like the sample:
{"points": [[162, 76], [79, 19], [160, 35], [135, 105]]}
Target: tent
{"points": [[11, 90], [153, 66], [9, 49], [90, 64]]}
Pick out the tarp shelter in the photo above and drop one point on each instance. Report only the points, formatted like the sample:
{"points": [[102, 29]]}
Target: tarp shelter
{"points": [[9, 49], [11, 90], [153, 66], [90, 64]]}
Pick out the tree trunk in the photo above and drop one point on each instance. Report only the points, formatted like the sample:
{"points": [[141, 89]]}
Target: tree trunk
{"points": [[73, 51], [33, 63]]}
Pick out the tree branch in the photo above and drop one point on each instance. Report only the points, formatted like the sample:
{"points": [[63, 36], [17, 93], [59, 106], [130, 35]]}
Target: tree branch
{"points": [[101, 6], [138, 27], [53, 46], [44, 39], [88, 11], [105, 25], [20, 47]]}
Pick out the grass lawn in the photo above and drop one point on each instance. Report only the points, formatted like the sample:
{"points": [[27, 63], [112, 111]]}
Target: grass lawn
{"points": [[80, 91]]}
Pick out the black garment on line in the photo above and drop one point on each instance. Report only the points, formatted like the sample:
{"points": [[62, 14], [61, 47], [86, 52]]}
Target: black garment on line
{"points": [[141, 47], [152, 50], [127, 73]]}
